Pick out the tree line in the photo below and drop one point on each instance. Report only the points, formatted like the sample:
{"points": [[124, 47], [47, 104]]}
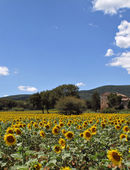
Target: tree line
{"points": [[64, 98]]}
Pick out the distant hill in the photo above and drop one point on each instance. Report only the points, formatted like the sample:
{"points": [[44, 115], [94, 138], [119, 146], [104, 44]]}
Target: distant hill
{"points": [[86, 94], [123, 89], [18, 97]]}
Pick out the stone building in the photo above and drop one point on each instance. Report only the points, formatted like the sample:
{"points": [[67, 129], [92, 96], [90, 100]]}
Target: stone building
{"points": [[104, 100]]}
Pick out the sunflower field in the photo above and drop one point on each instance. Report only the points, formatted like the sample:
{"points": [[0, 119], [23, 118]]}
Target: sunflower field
{"points": [[58, 142]]}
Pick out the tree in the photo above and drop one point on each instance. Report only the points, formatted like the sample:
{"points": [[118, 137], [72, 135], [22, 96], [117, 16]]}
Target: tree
{"points": [[88, 104], [95, 103], [66, 90], [7, 104], [46, 100], [50, 97], [35, 100], [71, 105], [114, 101], [128, 104]]}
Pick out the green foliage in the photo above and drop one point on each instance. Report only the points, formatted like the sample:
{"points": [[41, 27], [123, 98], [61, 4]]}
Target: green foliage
{"points": [[109, 110], [35, 100], [95, 102], [46, 99], [88, 104], [129, 105], [114, 101], [71, 105], [87, 94], [20, 97], [66, 90], [6, 104]]}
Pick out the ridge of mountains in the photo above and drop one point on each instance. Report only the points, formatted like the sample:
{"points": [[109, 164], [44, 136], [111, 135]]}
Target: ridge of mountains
{"points": [[85, 94]]}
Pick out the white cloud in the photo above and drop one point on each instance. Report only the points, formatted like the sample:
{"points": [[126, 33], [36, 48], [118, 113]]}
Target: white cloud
{"points": [[27, 88], [4, 71], [80, 84], [92, 25], [109, 53], [123, 36], [123, 61], [110, 6], [5, 95]]}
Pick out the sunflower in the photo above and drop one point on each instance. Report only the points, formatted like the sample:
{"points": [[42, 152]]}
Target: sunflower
{"points": [[40, 124], [79, 127], [65, 168], [90, 121], [47, 126], [57, 126], [55, 130], [87, 135], [18, 131], [67, 147], [10, 130], [123, 136], [42, 133], [126, 129], [35, 125], [68, 124], [93, 130], [29, 125], [38, 166], [103, 125], [23, 125], [115, 157], [69, 135], [57, 149], [62, 143], [9, 139], [81, 134], [20, 125], [63, 131], [117, 127], [61, 124]]}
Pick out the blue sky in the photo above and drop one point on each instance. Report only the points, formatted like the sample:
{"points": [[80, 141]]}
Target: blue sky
{"points": [[47, 43]]}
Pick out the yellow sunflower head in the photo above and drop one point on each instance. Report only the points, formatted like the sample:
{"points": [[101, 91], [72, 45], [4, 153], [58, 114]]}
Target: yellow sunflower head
{"points": [[126, 129], [93, 130], [117, 127], [123, 136], [10, 130], [103, 125], [65, 168], [69, 135], [47, 126], [115, 157], [55, 131], [57, 149], [35, 125], [23, 125], [38, 166], [63, 131], [18, 131], [61, 124], [40, 124], [29, 125], [87, 135], [42, 134], [62, 142], [9, 139], [81, 134]]}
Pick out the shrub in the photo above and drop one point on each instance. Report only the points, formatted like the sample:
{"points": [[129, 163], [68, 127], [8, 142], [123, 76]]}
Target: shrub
{"points": [[71, 105], [109, 110]]}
